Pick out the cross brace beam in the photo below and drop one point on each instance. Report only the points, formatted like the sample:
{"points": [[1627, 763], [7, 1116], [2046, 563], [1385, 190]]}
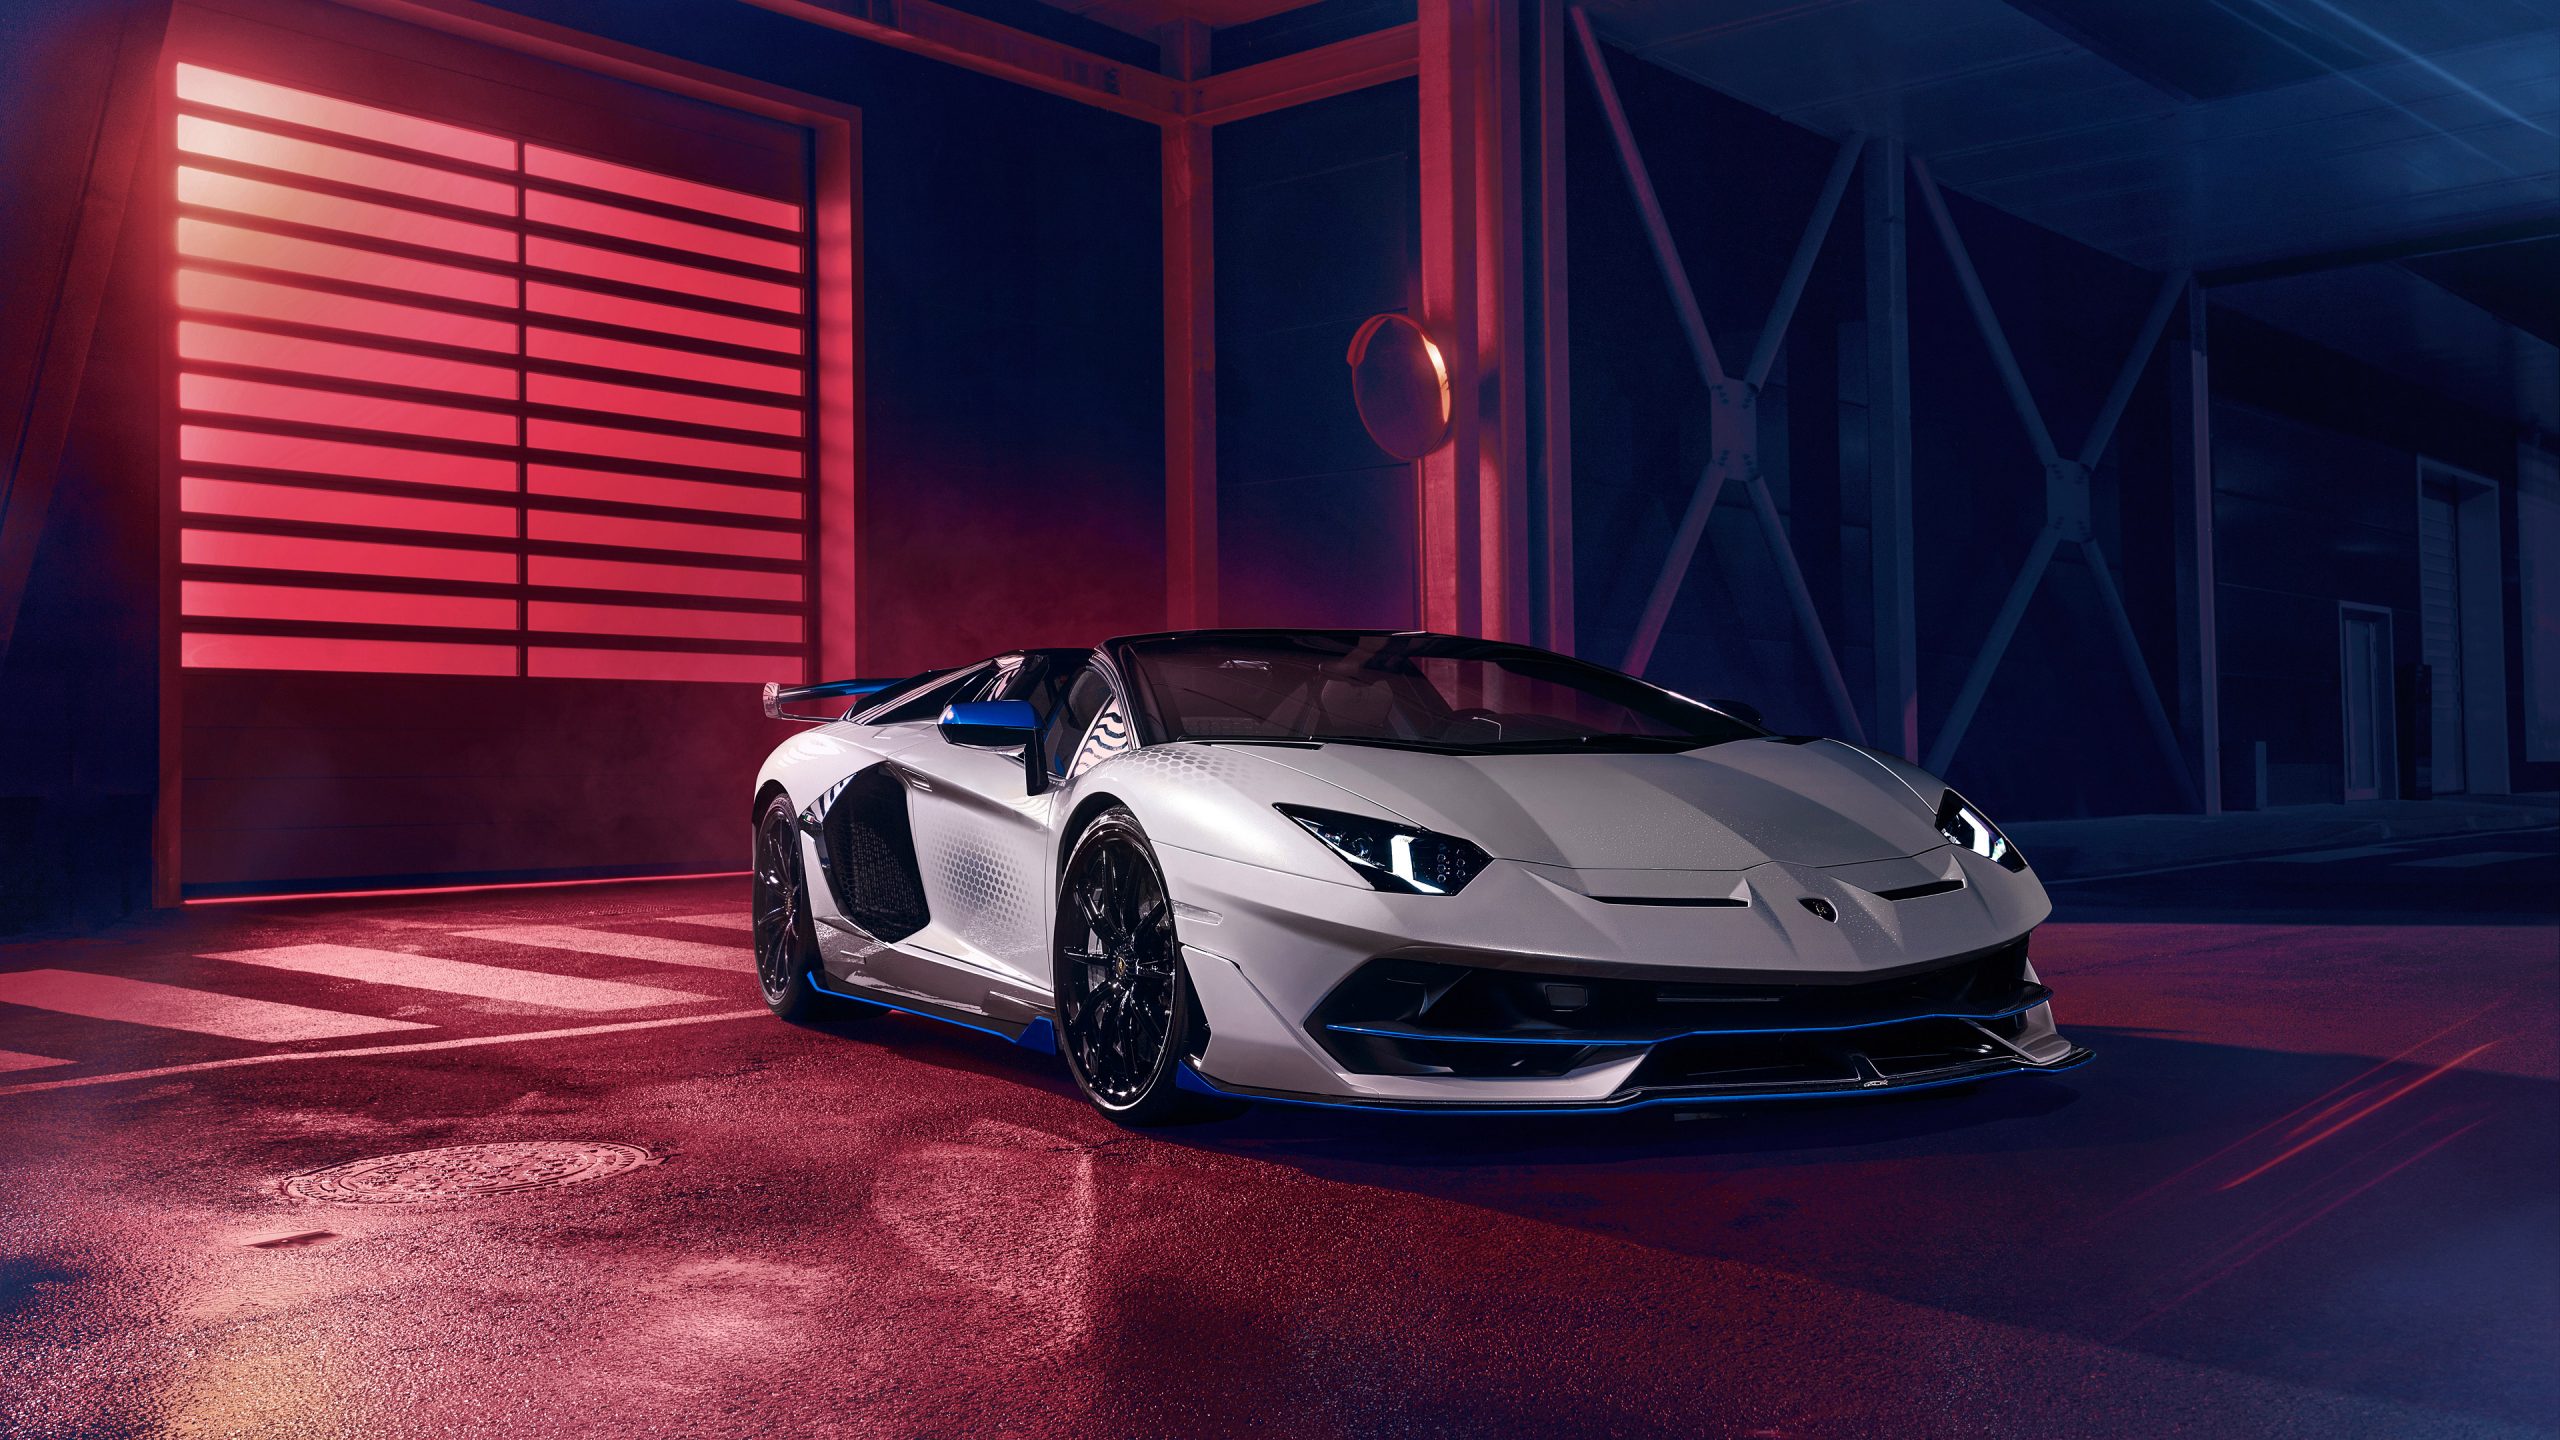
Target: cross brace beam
{"points": [[2066, 502], [1734, 420]]}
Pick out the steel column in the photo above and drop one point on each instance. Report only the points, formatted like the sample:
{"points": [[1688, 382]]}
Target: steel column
{"points": [[1889, 516], [1190, 351], [2191, 479], [1451, 37], [1555, 360], [1502, 490]]}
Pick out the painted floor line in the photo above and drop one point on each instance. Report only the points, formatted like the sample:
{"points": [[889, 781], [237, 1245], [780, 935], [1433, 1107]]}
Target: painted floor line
{"points": [[726, 920], [357, 1052], [620, 946], [177, 1007], [462, 977], [19, 1060]]}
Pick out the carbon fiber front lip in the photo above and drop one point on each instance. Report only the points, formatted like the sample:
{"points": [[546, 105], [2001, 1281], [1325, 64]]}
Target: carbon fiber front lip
{"points": [[1645, 1097]]}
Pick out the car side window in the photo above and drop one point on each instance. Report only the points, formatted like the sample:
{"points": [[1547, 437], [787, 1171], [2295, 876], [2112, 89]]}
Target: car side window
{"points": [[1065, 729], [1109, 736]]}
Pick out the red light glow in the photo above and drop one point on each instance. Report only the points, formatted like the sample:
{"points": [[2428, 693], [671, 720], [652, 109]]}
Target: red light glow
{"points": [[660, 449], [632, 314], [576, 618], [320, 112], [226, 599], [313, 652], [330, 407], [575, 349], [578, 528], [659, 490], [252, 352], [543, 207], [206, 240], [200, 136], [345, 557], [253, 499], [214, 190], [545, 163], [225, 345], [543, 389], [635, 575], [545, 253], [203, 290], [208, 445], [563, 664]]}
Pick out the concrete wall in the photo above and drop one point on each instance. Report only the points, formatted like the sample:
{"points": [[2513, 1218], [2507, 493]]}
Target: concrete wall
{"points": [[2315, 469]]}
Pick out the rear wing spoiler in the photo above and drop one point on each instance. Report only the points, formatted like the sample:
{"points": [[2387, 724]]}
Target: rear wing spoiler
{"points": [[778, 695]]}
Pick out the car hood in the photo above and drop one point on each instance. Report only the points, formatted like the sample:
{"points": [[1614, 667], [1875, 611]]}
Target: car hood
{"points": [[1722, 807]]}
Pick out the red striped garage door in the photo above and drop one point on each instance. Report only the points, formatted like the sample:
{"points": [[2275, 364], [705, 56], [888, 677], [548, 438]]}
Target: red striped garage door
{"points": [[491, 449]]}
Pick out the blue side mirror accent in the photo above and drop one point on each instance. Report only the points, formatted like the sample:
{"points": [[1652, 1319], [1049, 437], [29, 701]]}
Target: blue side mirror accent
{"points": [[990, 724]]}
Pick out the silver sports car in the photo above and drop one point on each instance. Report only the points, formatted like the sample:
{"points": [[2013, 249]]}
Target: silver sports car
{"points": [[1411, 871]]}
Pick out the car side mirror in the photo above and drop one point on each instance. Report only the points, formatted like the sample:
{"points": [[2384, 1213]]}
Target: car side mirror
{"points": [[1742, 710], [990, 724]]}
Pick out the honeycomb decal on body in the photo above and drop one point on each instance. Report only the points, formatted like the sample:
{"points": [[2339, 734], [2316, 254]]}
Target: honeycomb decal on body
{"points": [[993, 912], [1189, 765]]}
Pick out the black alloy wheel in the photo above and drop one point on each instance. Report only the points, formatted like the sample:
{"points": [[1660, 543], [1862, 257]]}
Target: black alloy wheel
{"points": [[786, 940], [1125, 1011]]}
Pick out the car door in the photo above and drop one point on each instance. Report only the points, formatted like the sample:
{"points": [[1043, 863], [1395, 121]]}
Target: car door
{"points": [[981, 833]]}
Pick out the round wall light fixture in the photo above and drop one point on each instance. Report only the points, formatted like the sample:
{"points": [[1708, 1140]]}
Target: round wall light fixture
{"points": [[1400, 385]]}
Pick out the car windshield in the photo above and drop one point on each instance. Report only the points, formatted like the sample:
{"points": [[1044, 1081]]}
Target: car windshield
{"points": [[1424, 692]]}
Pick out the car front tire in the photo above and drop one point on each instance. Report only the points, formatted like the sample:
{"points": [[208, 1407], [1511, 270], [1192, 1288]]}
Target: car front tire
{"points": [[1126, 1014]]}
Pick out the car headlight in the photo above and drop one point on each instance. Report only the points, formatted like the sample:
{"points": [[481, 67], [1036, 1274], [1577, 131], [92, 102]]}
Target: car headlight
{"points": [[1401, 858], [1965, 826]]}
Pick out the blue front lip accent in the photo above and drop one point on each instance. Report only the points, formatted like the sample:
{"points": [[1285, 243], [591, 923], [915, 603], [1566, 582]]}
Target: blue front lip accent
{"points": [[1188, 1079], [1039, 1035], [1665, 1039]]}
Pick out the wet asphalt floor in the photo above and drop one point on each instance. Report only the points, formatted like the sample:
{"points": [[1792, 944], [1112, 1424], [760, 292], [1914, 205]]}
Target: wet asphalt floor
{"points": [[2307, 1188]]}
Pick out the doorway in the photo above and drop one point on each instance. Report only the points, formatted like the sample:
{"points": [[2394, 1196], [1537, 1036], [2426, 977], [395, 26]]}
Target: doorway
{"points": [[2364, 668], [2462, 636]]}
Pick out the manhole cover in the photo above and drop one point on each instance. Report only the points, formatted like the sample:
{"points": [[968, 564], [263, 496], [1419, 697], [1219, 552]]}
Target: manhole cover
{"points": [[458, 1172]]}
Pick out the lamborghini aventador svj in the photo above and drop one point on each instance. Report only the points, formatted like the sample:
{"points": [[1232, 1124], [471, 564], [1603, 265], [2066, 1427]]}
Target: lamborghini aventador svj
{"points": [[1411, 871]]}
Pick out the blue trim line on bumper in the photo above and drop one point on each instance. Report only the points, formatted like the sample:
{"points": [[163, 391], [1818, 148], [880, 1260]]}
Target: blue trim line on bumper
{"points": [[1191, 1080]]}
